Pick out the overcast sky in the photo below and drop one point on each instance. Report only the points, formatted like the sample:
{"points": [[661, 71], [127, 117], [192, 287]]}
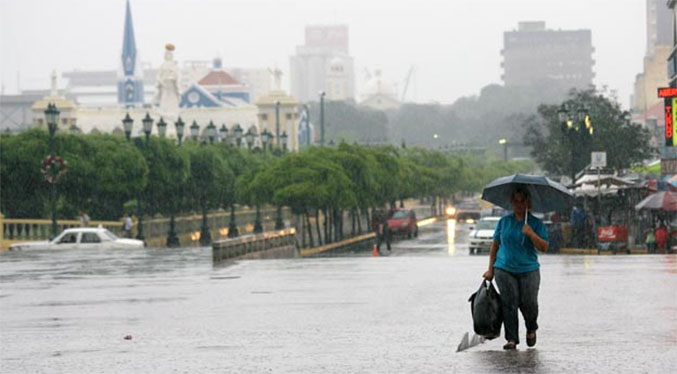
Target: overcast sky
{"points": [[453, 44]]}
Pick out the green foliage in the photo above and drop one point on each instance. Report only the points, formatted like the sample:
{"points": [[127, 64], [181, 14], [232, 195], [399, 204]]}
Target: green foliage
{"points": [[624, 142], [106, 175]]}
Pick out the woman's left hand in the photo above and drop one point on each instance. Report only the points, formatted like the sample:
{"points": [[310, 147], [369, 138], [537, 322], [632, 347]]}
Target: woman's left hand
{"points": [[526, 230]]}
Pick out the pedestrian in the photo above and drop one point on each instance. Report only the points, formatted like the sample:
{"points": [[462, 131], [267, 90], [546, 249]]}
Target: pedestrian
{"points": [[128, 225], [84, 219], [514, 261], [650, 241], [661, 235], [383, 232]]}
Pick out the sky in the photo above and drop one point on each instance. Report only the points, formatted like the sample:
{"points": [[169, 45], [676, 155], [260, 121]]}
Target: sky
{"points": [[453, 45]]}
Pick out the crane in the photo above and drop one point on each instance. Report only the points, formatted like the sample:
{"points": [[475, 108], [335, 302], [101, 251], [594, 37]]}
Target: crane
{"points": [[406, 82]]}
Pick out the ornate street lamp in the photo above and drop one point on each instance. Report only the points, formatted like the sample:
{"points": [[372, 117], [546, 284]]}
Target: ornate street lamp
{"points": [[194, 130], [250, 136], [223, 133], [127, 123], [284, 139], [179, 129], [172, 238], [147, 125], [162, 128], [211, 132], [52, 119], [266, 138], [237, 131], [74, 129], [574, 126]]}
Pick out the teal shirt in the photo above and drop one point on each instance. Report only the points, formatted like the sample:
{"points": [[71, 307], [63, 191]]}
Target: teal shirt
{"points": [[516, 252]]}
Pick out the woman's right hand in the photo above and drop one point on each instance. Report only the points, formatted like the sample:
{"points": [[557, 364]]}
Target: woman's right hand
{"points": [[489, 275]]}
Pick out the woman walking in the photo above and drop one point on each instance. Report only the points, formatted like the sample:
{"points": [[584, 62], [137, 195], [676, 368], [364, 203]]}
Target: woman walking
{"points": [[513, 260]]}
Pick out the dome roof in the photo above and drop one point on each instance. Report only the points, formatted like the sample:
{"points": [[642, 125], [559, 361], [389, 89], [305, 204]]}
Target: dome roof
{"points": [[377, 86]]}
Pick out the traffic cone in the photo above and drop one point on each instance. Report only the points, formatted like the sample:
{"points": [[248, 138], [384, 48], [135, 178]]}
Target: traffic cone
{"points": [[374, 252]]}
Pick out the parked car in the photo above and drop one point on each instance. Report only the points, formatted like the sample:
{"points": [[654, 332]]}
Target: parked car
{"points": [[403, 222], [482, 235], [81, 238]]}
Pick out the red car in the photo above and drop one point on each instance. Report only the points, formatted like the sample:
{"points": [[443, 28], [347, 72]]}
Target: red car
{"points": [[403, 222]]}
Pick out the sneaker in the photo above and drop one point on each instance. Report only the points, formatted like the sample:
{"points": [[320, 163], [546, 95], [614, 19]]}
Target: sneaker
{"points": [[510, 345], [531, 341]]}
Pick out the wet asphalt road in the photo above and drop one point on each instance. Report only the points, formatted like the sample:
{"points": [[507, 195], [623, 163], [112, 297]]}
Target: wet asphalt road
{"points": [[68, 312]]}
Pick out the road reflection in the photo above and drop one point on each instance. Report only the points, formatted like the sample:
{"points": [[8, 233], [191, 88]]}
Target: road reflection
{"points": [[451, 236]]}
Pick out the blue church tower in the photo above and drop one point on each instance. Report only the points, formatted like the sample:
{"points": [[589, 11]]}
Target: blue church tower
{"points": [[130, 83]]}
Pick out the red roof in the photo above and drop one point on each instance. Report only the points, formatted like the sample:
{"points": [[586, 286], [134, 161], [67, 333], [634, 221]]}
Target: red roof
{"points": [[217, 78]]}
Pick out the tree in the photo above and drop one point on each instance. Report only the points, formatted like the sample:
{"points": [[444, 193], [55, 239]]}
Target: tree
{"points": [[624, 142]]}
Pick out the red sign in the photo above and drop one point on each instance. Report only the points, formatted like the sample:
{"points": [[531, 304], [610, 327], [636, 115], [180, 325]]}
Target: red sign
{"points": [[668, 123], [615, 233], [667, 91]]}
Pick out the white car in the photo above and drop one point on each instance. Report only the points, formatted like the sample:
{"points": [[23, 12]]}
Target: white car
{"points": [[482, 235], [81, 238]]}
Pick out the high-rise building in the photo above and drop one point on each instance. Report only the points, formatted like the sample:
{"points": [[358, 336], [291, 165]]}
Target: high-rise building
{"points": [[534, 55], [645, 105], [658, 25], [323, 63]]}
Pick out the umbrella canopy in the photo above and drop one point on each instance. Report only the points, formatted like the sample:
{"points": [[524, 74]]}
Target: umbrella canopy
{"points": [[663, 200], [546, 194]]}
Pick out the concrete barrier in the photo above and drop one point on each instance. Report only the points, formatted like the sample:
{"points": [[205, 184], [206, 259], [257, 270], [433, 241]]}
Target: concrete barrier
{"points": [[256, 246]]}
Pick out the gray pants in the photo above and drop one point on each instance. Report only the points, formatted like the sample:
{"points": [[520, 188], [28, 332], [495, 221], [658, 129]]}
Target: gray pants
{"points": [[518, 291]]}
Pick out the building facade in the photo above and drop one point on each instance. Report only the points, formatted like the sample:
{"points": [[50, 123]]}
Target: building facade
{"points": [[672, 59], [534, 55], [646, 107], [323, 63]]}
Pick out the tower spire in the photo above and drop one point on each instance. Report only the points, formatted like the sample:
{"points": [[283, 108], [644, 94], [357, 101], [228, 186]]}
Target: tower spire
{"points": [[128, 44], [130, 83]]}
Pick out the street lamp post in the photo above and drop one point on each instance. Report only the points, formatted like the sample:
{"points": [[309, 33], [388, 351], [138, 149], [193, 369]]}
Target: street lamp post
{"points": [[147, 128], [211, 132], [237, 131], [52, 119], [173, 239], [127, 123], [223, 133], [162, 128], [249, 137], [179, 129], [574, 126], [194, 130], [284, 139], [504, 142], [322, 94]]}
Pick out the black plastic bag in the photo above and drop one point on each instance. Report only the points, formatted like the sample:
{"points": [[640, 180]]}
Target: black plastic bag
{"points": [[485, 306]]}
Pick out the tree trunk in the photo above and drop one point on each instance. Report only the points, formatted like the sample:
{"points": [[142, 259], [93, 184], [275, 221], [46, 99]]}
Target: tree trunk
{"points": [[359, 222], [352, 222], [327, 238], [317, 226], [310, 230]]}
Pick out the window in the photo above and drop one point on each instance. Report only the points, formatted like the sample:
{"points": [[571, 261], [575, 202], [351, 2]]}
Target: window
{"points": [[264, 117], [70, 238], [288, 116], [90, 237]]}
